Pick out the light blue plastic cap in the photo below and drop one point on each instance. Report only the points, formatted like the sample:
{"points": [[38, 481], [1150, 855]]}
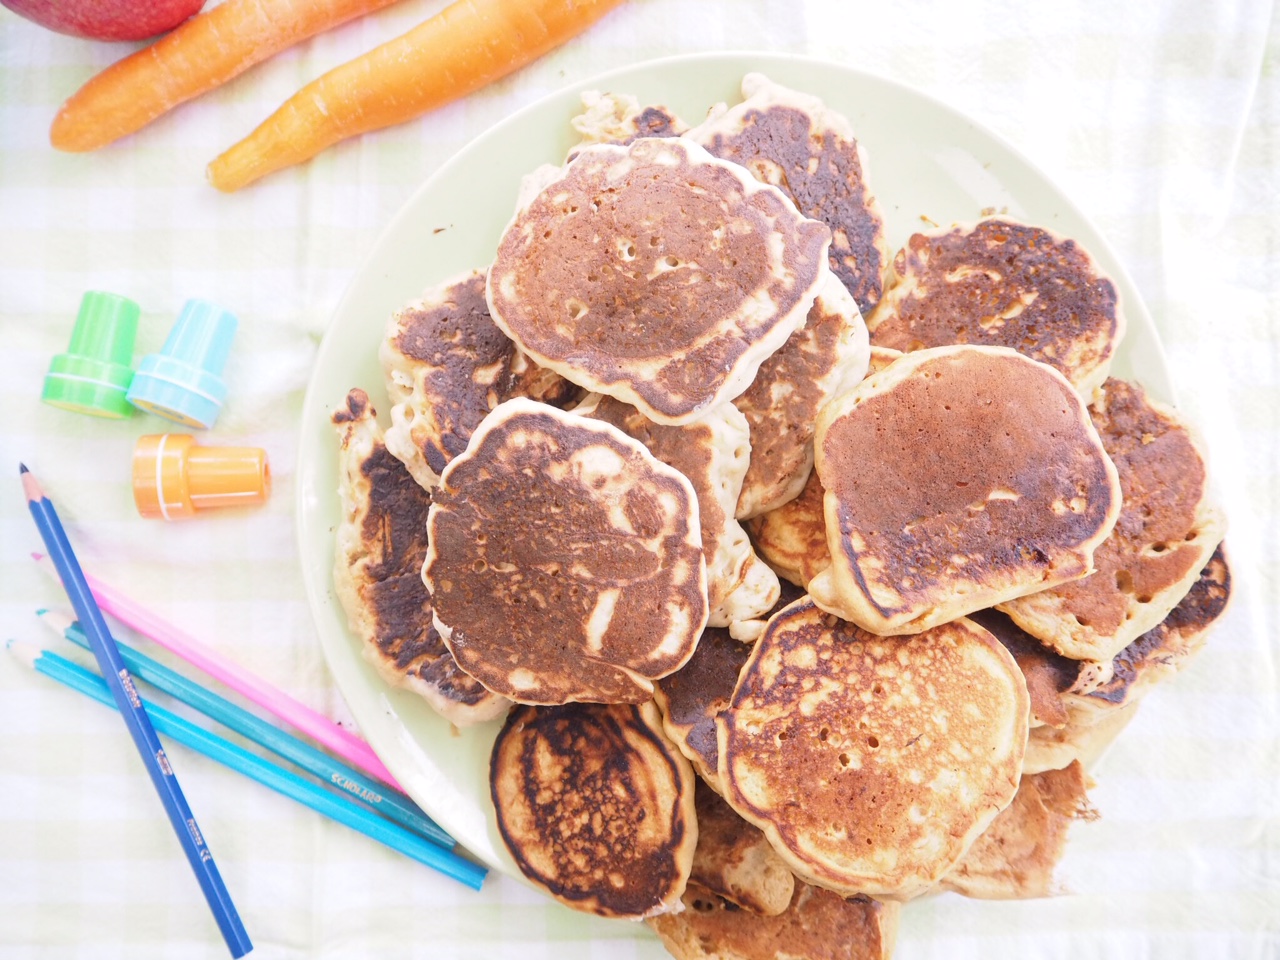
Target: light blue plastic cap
{"points": [[183, 382]]}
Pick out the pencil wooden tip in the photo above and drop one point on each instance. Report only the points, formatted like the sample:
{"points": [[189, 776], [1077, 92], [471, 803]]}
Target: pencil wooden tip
{"points": [[30, 486]]}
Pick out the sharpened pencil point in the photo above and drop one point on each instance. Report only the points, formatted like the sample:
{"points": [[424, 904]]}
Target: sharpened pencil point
{"points": [[22, 468]]}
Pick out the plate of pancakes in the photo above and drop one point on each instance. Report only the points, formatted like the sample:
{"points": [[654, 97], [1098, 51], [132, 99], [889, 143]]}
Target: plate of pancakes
{"points": [[744, 494]]}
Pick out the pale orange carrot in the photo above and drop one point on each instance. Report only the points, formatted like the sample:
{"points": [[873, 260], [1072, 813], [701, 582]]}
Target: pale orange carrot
{"points": [[464, 47], [204, 52]]}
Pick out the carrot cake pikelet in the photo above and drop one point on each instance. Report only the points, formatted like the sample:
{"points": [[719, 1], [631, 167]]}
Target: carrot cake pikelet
{"points": [[957, 478], [619, 119], [595, 806], [377, 574], [735, 861], [564, 560], [871, 763], [1000, 283], [656, 274]]}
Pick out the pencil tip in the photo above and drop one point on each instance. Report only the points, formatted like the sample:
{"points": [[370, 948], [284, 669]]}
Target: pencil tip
{"points": [[22, 468]]}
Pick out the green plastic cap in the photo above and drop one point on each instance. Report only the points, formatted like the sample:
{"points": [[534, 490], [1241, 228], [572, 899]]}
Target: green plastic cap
{"points": [[93, 376]]}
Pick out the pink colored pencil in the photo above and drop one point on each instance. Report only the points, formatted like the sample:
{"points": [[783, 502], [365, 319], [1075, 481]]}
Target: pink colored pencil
{"points": [[275, 701]]}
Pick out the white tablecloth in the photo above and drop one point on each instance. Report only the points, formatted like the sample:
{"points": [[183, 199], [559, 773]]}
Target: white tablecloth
{"points": [[1160, 119]]}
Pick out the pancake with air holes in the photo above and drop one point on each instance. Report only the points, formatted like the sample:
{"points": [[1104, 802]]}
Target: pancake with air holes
{"points": [[595, 806], [1000, 283], [619, 119], [821, 360], [817, 925], [712, 452], [797, 143], [692, 697], [735, 861], [1167, 531], [377, 576], [656, 274], [447, 366], [957, 478], [1015, 858], [565, 560], [872, 763]]}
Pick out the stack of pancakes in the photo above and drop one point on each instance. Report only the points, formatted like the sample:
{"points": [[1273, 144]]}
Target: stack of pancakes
{"points": [[794, 618]]}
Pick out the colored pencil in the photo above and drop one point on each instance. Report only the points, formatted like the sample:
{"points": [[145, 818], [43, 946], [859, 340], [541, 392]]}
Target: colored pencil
{"points": [[253, 688], [269, 774], [135, 715], [390, 803]]}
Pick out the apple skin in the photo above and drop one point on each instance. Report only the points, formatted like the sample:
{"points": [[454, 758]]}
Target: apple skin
{"points": [[106, 19]]}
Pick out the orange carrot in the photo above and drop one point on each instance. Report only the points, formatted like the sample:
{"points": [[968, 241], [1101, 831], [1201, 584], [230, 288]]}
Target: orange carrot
{"points": [[461, 49], [204, 52]]}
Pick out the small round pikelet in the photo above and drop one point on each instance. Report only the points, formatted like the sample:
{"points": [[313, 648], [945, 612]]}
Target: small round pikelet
{"points": [[565, 560], [957, 478], [656, 274], [595, 806], [871, 763], [1000, 283]]}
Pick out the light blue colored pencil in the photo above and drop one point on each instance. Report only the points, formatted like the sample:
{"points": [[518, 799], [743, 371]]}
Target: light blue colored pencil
{"points": [[376, 796], [269, 774]]}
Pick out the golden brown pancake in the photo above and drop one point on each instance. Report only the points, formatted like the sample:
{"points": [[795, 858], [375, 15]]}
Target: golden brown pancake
{"points": [[821, 360], [381, 544], [1000, 283], [619, 119], [797, 143], [447, 366], [712, 452], [565, 560], [692, 697], [872, 763], [817, 925], [792, 538], [1015, 857], [957, 478], [1167, 530], [595, 806], [735, 861], [656, 274]]}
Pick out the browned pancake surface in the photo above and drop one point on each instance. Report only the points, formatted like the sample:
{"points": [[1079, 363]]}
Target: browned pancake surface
{"points": [[1002, 283], [565, 561], [595, 806], [1049, 675], [735, 861], [793, 537]]}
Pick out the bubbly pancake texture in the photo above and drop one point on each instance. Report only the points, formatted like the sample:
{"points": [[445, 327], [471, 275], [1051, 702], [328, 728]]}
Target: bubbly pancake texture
{"points": [[872, 763], [712, 452], [821, 360], [1001, 283], [797, 143], [381, 544], [595, 806], [656, 274], [1167, 530], [735, 861], [817, 925], [565, 561], [957, 478], [447, 366]]}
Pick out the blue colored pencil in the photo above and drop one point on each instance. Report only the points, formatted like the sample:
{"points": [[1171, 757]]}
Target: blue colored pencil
{"points": [[277, 778], [135, 715], [390, 803]]}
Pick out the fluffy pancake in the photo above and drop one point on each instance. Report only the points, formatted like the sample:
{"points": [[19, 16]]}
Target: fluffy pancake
{"points": [[957, 478], [821, 360], [1166, 533], [381, 544], [692, 697], [1015, 857], [618, 118], [796, 142], [817, 925], [872, 763], [1001, 283], [565, 561], [792, 538], [735, 861], [447, 366], [712, 452], [656, 274], [595, 806]]}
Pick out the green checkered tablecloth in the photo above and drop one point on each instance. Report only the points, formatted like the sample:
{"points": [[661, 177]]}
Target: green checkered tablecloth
{"points": [[1160, 119]]}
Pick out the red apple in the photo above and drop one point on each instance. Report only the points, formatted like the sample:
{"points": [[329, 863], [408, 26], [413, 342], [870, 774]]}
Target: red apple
{"points": [[106, 19]]}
